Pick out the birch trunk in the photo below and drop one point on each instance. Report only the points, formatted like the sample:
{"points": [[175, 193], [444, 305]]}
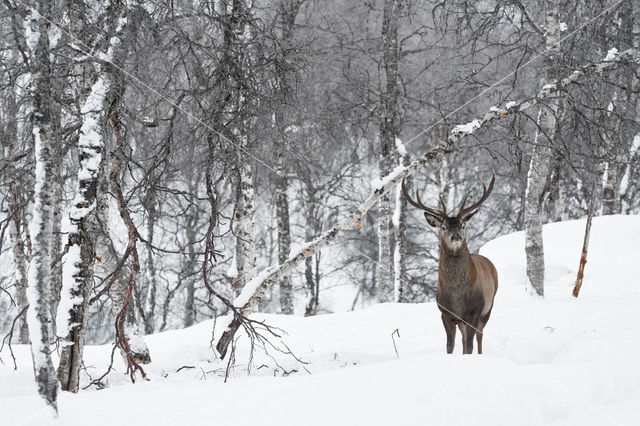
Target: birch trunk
{"points": [[388, 135], [400, 279], [150, 273], [39, 274], [253, 291], [539, 165], [244, 220], [107, 261], [15, 214], [310, 232], [244, 229], [20, 275], [284, 241], [287, 14], [78, 267], [56, 242], [190, 270], [620, 136]]}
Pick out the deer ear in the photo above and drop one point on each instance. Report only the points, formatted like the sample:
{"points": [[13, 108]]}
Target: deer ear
{"points": [[434, 221], [467, 219]]}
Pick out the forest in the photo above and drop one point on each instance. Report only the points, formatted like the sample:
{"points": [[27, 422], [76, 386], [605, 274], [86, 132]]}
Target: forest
{"points": [[165, 163]]}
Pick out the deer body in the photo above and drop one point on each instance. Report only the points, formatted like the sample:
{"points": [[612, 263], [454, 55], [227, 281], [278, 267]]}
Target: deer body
{"points": [[467, 283]]}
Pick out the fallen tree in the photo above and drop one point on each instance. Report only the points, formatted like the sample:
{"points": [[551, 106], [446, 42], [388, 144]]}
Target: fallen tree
{"points": [[253, 291]]}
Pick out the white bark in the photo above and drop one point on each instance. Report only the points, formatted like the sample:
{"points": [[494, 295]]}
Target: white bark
{"points": [[400, 281], [39, 274], [541, 155], [245, 229], [15, 207], [244, 220], [388, 134]]}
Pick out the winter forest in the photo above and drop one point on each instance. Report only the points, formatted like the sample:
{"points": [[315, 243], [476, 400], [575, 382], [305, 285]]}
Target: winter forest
{"points": [[246, 176]]}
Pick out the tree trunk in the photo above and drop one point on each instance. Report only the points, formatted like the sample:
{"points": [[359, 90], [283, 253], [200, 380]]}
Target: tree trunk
{"points": [[20, 275], [585, 245], [190, 270], [78, 267], [191, 267], [15, 211], [310, 232], [56, 243], [388, 135], [39, 275], [539, 166], [244, 228], [401, 281], [150, 273], [244, 216], [287, 12], [107, 260], [284, 242]]}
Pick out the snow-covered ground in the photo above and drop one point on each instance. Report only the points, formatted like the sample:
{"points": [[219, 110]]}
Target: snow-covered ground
{"points": [[557, 361]]}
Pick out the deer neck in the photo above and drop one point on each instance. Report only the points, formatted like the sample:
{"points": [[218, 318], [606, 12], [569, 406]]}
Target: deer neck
{"points": [[455, 266]]}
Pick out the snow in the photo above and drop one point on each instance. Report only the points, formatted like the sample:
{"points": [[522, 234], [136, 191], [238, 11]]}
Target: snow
{"points": [[466, 128], [377, 183], [555, 360], [251, 287], [402, 150], [69, 284], [611, 54]]}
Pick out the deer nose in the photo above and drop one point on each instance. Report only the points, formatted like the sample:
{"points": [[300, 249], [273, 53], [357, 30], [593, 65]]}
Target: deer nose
{"points": [[456, 237]]}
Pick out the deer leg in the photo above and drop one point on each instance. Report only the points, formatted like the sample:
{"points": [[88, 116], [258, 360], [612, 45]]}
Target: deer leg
{"points": [[468, 347], [480, 332], [468, 332], [450, 328], [464, 330]]}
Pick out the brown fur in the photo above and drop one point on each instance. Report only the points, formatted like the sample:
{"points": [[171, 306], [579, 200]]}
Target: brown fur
{"points": [[467, 285]]}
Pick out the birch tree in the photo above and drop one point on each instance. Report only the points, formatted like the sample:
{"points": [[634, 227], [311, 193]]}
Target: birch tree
{"points": [[237, 39], [84, 235], [543, 141], [286, 15], [389, 129], [400, 279], [36, 49], [16, 203]]}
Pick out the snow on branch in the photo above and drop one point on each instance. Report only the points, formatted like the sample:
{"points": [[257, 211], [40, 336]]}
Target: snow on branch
{"points": [[251, 294]]}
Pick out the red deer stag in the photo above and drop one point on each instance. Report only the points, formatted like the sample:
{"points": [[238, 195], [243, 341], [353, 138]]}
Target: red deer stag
{"points": [[467, 283]]}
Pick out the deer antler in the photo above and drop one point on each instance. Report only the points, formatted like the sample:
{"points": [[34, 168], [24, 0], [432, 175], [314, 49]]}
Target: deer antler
{"points": [[485, 194], [418, 204]]}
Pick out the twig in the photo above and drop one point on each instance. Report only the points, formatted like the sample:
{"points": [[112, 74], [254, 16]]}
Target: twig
{"points": [[395, 348], [184, 367]]}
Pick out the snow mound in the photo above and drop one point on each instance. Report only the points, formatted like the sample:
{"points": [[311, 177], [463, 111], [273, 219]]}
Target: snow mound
{"points": [[613, 250]]}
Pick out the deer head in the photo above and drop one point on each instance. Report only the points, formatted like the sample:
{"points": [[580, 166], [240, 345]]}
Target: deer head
{"points": [[451, 228]]}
